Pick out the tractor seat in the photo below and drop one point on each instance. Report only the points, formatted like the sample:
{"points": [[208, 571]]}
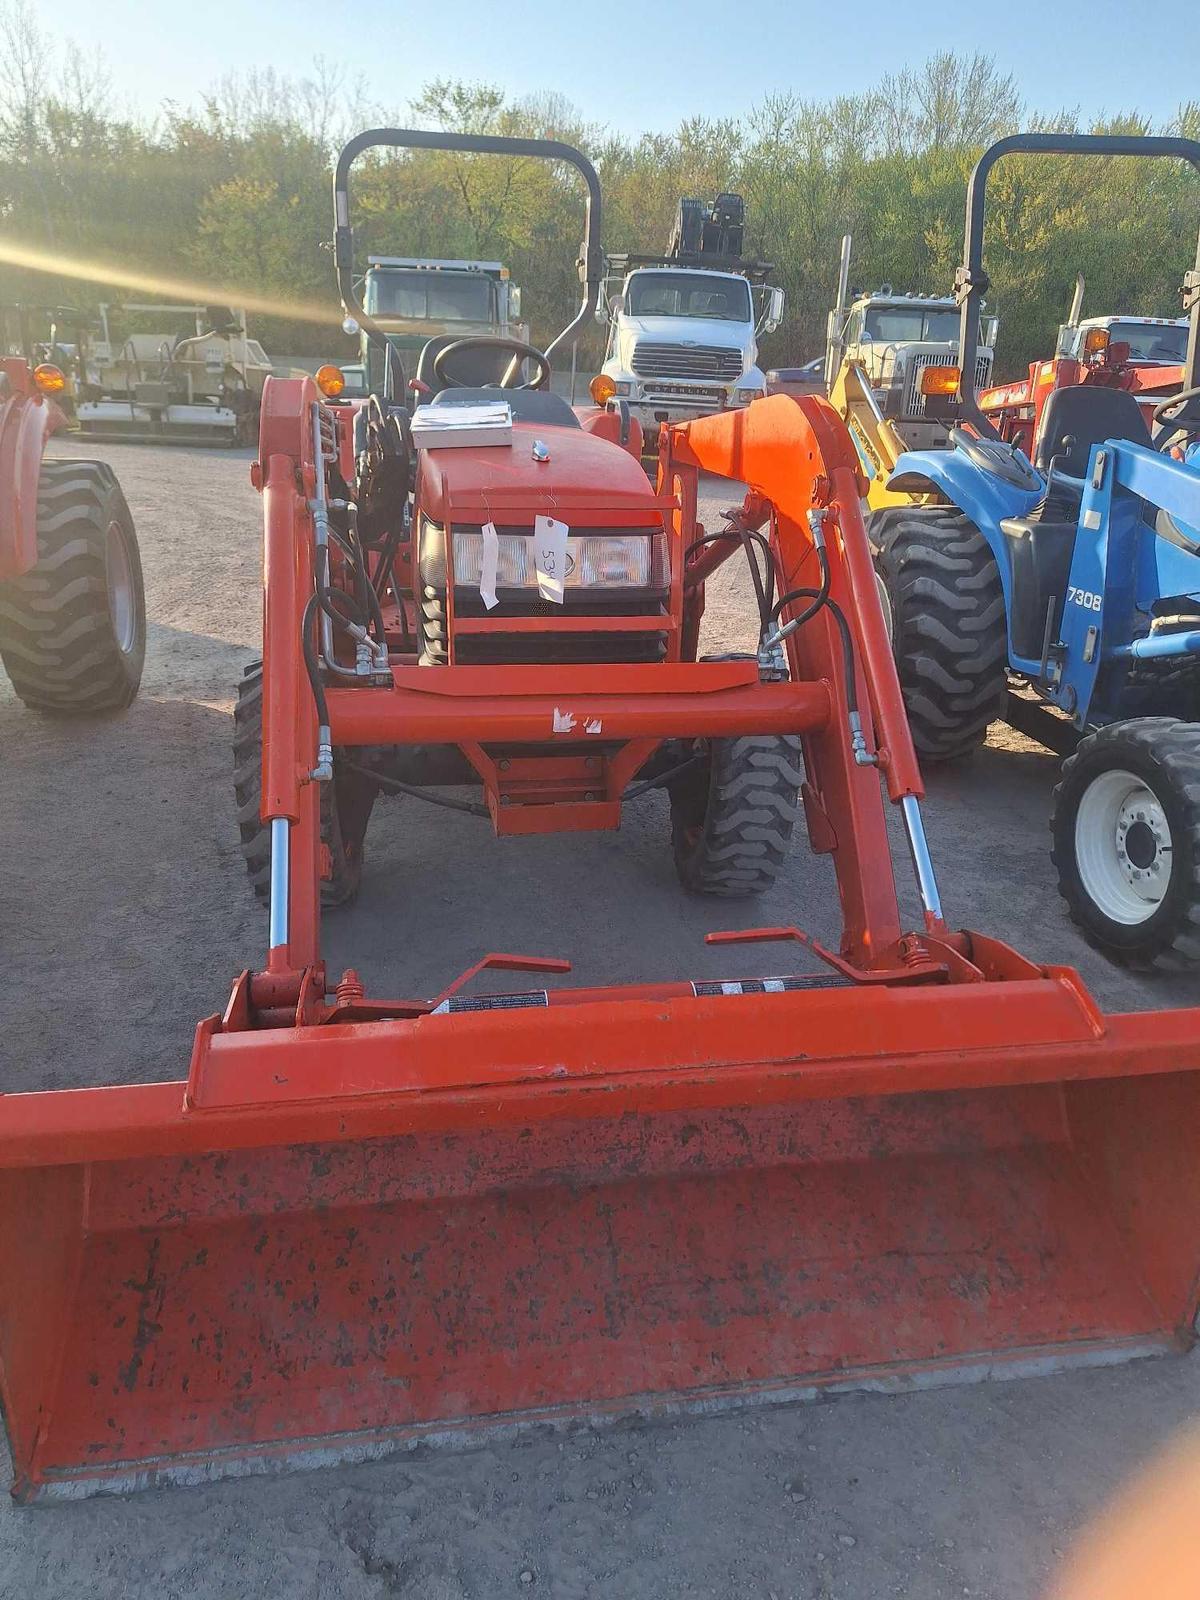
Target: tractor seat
{"points": [[1041, 546], [537, 406], [1077, 418]]}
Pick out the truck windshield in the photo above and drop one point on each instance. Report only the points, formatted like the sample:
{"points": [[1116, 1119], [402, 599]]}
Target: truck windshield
{"points": [[911, 324], [429, 296], [688, 294], [1150, 341]]}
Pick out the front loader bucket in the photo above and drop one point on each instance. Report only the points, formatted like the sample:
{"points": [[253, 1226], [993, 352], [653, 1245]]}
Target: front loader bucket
{"points": [[335, 1241]]}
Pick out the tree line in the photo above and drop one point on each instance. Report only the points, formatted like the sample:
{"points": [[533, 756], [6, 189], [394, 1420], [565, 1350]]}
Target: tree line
{"points": [[234, 193]]}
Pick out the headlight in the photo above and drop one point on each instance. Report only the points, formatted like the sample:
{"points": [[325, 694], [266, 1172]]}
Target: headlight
{"points": [[610, 560], [743, 397]]}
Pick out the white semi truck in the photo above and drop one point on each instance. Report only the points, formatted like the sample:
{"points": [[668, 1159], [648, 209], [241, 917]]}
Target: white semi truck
{"points": [[683, 327]]}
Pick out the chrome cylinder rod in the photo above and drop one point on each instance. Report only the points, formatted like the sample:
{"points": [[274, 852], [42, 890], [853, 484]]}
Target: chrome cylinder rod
{"points": [[921, 859], [280, 841]]}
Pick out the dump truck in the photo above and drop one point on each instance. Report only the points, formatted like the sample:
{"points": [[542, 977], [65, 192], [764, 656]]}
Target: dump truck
{"points": [[72, 603], [194, 377], [418, 299], [361, 1221], [683, 327], [893, 339]]}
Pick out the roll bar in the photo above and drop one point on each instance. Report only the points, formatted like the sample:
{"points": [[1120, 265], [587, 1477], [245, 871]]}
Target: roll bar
{"points": [[591, 261], [971, 281]]}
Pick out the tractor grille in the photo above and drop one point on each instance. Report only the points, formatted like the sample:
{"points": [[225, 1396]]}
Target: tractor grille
{"points": [[674, 361], [514, 649], [914, 400]]}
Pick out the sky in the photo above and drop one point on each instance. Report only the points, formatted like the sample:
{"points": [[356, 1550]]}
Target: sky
{"points": [[639, 67]]}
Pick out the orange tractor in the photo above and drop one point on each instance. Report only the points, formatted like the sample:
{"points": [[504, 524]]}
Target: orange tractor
{"points": [[365, 1221], [72, 607]]}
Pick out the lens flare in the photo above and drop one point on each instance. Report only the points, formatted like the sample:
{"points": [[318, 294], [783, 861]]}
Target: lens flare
{"points": [[63, 266]]}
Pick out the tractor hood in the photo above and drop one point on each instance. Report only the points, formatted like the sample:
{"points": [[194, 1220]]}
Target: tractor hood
{"points": [[587, 481]]}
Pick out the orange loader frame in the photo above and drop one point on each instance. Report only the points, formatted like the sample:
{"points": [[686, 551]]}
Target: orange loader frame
{"points": [[363, 1223]]}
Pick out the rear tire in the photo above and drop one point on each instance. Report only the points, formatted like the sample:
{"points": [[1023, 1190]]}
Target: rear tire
{"points": [[731, 822], [346, 859], [949, 635], [1126, 841], [73, 629]]}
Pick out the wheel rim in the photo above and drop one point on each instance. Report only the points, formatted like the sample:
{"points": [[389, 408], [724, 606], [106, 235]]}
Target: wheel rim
{"points": [[1123, 847], [122, 600]]}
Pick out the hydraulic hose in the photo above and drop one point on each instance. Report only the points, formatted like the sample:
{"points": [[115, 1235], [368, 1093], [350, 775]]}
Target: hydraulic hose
{"points": [[311, 663], [817, 598], [473, 808], [763, 595]]}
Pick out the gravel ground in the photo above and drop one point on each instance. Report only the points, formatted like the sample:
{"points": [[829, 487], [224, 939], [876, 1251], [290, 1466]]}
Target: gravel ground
{"points": [[129, 898]]}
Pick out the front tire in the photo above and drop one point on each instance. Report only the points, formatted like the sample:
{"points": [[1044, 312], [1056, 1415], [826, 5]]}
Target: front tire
{"points": [[1126, 841], [949, 636], [731, 822], [73, 629]]}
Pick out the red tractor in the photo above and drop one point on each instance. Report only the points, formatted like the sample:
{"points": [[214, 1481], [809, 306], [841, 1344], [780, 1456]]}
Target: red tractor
{"points": [[441, 557], [369, 1220], [1142, 356], [72, 606]]}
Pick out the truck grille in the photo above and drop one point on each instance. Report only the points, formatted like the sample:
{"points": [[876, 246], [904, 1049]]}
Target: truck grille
{"points": [[914, 400], [674, 361], [672, 393]]}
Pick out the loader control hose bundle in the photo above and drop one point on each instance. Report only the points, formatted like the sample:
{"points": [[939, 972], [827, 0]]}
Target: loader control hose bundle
{"points": [[772, 631]]}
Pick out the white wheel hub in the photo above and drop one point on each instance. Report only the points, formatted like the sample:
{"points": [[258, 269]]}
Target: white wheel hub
{"points": [[1123, 847]]}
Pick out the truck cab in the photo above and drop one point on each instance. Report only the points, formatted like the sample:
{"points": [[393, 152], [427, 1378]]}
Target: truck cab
{"points": [[683, 341], [893, 338], [1152, 341], [415, 300]]}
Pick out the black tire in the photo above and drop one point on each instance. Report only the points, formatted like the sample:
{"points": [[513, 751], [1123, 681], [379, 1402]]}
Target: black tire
{"points": [[732, 820], [73, 629], [949, 634], [1164, 754], [347, 860]]}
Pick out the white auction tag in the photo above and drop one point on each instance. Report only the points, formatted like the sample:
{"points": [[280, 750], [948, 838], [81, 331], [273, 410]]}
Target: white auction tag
{"points": [[550, 557], [487, 566]]}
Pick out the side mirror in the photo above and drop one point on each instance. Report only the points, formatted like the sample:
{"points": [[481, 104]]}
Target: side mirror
{"points": [[514, 303], [991, 331], [773, 311]]}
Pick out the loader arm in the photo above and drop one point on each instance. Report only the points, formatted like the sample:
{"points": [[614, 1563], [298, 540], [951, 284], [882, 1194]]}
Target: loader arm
{"points": [[795, 455]]}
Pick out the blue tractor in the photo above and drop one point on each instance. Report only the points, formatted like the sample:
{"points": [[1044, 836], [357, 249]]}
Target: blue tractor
{"points": [[1063, 594]]}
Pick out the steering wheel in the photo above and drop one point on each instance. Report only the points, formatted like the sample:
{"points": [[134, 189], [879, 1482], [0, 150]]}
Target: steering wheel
{"points": [[1187, 404], [991, 455], [515, 347]]}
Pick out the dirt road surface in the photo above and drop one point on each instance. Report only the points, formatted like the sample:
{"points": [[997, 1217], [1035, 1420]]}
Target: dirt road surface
{"points": [[125, 913]]}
